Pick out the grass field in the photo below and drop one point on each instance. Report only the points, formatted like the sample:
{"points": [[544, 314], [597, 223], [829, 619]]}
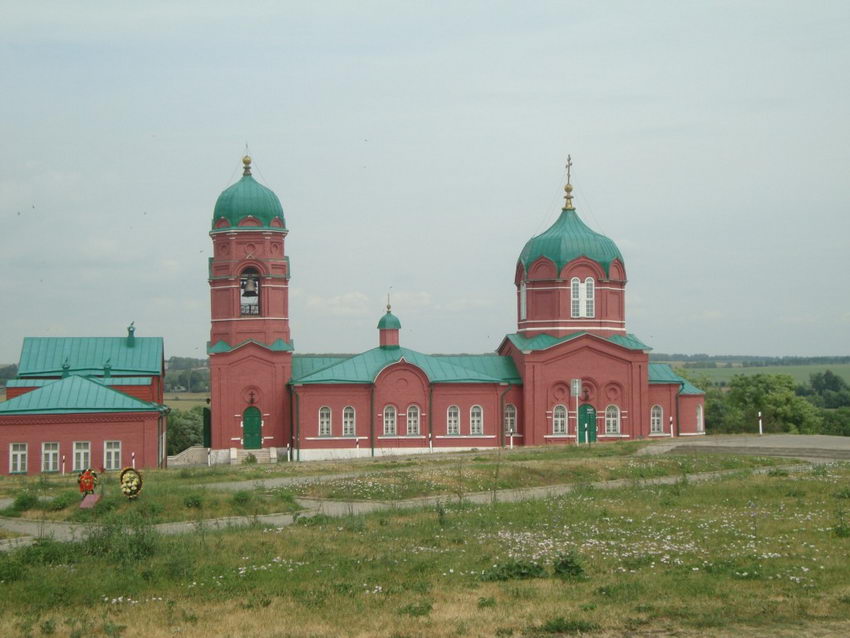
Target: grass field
{"points": [[800, 374], [185, 400], [745, 555]]}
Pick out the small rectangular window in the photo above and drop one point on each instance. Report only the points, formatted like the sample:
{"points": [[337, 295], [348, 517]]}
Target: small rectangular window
{"points": [[82, 455], [50, 457], [112, 455], [17, 458]]}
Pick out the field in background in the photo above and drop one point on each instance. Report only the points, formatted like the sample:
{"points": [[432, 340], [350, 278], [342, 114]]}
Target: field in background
{"points": [[800, 373], [185, 400]]}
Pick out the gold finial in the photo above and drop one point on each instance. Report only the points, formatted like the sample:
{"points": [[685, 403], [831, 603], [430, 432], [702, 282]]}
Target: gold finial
{"points": [[568, 189], [246, 165]]}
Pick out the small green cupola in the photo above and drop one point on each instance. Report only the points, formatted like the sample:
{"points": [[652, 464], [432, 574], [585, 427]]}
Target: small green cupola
{"points": [[388, 328], [570, 238], [247, 204]]}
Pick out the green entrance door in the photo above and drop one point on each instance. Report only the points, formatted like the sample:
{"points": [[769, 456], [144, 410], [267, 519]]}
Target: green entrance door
{"points": [[586, 424], [251, 436]]}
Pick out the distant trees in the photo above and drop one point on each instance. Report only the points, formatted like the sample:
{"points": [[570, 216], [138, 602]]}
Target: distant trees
{"points": [[821, 406], [8, 372], [185, 374], [185, 429]]}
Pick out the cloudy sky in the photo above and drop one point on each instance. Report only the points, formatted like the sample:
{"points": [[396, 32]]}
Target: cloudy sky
{"points": [[417, 146]]}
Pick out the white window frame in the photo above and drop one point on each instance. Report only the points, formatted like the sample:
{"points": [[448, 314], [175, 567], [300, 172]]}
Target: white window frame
{"points": [[510, 418], [700, 418], [413, 420], [523, 301], [476, 420], [18, 458], [656, 420], [349, 421], [559, 419], [612, 419], [589, 298], [390, 420], [453, 420], [50, 457], [325, 417], [82, 450], [110, 462], [582, 298]]}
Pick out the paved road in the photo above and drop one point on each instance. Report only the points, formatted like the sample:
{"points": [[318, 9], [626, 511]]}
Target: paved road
{"points": [[808, 446]]}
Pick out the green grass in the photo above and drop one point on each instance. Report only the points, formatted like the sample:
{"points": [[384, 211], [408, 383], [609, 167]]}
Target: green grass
{"points": [[745, 554], [185, 400]]}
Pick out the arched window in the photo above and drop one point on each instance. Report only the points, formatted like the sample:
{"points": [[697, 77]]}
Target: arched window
{"points": [[348, 421], [612, 420], [559, 420], [656, 420], [476, 420], [324, 421], [510, 419], [523, 301], [575, 297], [589, 298], [249, 292], [582, 298], [453, 420], [413, 420], [389, 421], [700, 422]]}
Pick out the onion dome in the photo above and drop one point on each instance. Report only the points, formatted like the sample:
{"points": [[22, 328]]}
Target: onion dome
{"points": [[248, 203], [389, 321], [570, 238]]}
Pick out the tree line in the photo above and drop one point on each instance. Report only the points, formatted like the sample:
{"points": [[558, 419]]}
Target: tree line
{"points": [[819, 406]]}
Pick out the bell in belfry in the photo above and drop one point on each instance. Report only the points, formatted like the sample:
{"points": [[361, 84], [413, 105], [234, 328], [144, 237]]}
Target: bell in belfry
{"points": [[250, 288]]}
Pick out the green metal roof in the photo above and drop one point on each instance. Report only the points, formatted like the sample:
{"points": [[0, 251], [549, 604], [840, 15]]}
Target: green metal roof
{"points": [[247, 197], [544, 341], [663, 373], [75, 395], [365, 367], [567, 239], [44, 356], [278, 345], [306, 364], [38, 383], [389, 322], [492, 365]]}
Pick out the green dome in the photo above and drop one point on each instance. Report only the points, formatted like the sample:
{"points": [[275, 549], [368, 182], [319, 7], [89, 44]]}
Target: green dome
{"points": [[247, 197], [389, 322], [567, 239]]}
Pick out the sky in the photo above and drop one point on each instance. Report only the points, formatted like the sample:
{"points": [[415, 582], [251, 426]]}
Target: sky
{"points": [[416, 147]]}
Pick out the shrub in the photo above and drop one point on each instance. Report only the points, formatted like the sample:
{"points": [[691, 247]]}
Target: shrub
{"points": [[242, 498], [11, 569], [193, 501], [62, 500], [514, 570], [25, 501], [561, 625], [483, 602], [566, 566], [249, 459], [416, 609]]}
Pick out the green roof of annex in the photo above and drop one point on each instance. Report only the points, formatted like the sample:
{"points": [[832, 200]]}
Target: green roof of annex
{"points": [[248, 198]]}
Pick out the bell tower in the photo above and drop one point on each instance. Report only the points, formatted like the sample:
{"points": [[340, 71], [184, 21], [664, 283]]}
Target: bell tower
{"points": [[250, 346]]}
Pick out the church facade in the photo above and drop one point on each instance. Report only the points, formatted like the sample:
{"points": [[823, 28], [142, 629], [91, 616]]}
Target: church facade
{"points": [[569, 374]]}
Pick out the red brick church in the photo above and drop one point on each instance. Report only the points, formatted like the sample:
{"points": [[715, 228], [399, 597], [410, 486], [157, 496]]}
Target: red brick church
{"points": [[569, 374]]}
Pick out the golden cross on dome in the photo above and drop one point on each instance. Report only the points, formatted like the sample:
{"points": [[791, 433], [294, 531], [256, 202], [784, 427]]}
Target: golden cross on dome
{"points": [[568, 189]]}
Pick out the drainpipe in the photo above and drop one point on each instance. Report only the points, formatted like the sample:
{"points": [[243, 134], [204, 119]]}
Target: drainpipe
{"points": [[678, 425], [430, 417], [372, 419], [502, 412], [297, 406]]}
